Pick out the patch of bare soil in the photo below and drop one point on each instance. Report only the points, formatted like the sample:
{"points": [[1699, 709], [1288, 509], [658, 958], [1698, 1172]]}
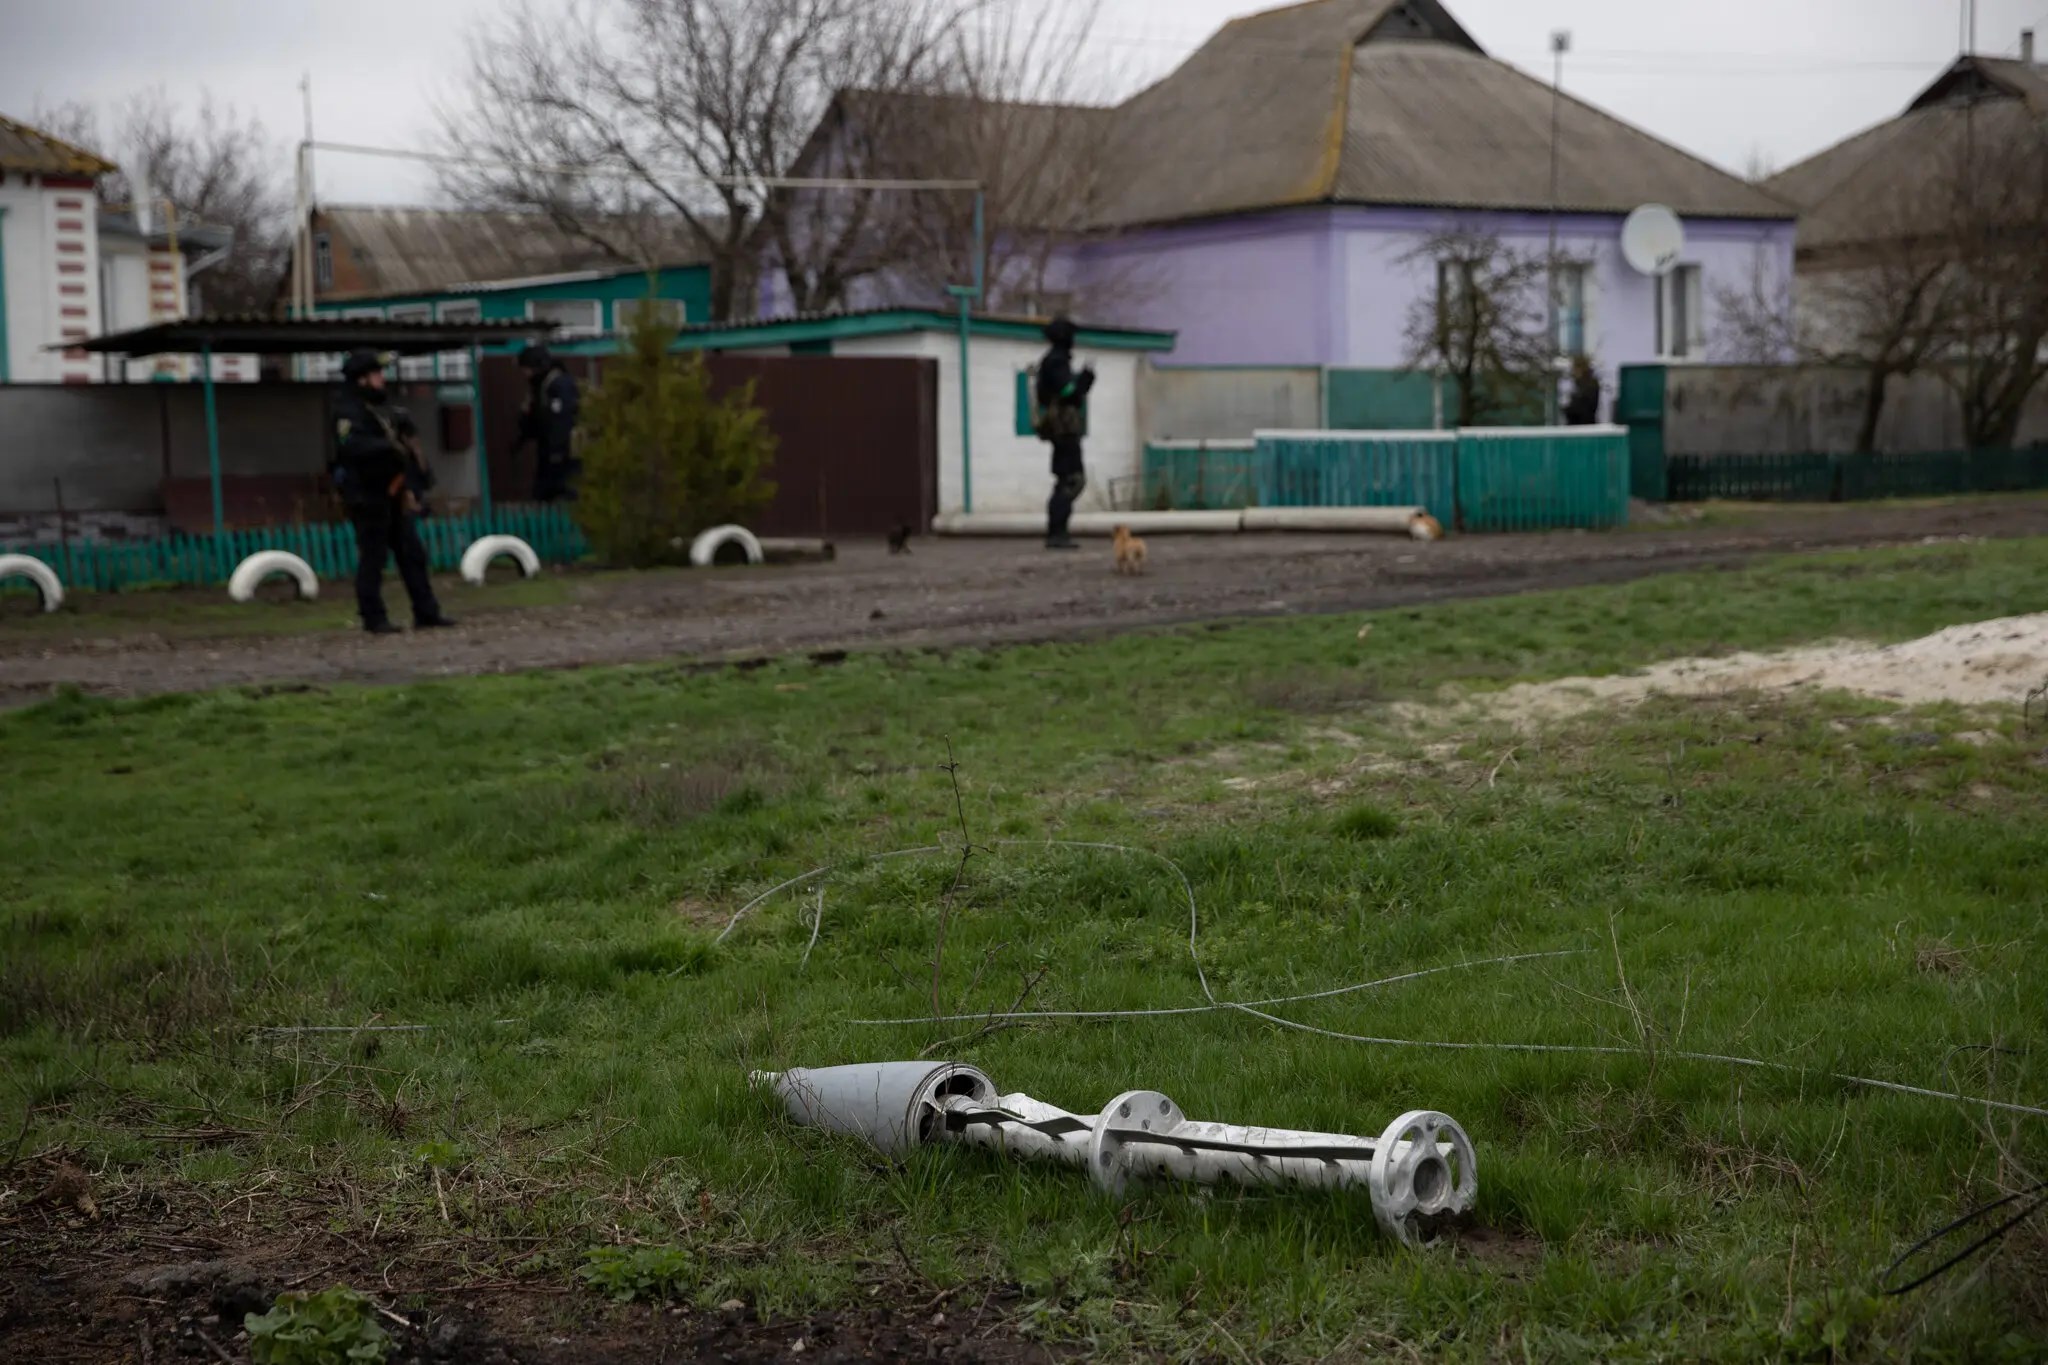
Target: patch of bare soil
{"points": [[958, 592], [1986, 663], [154, 1276]]}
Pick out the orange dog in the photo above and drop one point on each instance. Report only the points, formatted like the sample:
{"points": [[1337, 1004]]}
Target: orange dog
{"points": [[1423, 526], [1130, 552]]}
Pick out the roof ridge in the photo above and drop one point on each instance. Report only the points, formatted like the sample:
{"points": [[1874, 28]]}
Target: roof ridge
{"points": [[91, 160], [1592, 108]]}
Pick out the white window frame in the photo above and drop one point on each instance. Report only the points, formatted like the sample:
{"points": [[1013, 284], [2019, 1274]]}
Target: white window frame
{"points": [[1454, 280], [413, 367], [323, 261], [1691, 279], [1581, 271], [677, 312], [455, 364], [563, 330]]}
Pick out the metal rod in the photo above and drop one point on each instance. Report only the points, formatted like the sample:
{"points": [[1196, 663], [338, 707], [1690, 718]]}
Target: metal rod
{"points": [[213, 441], [1560, 43]]}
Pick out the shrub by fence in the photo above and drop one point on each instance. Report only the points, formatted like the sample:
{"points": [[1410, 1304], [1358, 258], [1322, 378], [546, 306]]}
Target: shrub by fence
{"points": [[329, 547]]}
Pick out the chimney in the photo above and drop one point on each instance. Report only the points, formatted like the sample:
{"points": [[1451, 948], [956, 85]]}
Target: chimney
{"points": [[2027, 46]]}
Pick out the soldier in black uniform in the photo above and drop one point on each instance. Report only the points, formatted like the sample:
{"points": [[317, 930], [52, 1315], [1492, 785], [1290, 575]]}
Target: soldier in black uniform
{"points": [[378, 477], [548, 421], [1062, 405]]}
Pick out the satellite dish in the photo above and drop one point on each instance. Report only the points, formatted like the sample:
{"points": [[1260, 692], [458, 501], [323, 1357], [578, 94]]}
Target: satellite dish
{"points": [[1652, 240]]}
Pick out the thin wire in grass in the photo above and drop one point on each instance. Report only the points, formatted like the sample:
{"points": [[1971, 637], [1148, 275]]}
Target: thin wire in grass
{"points": [[1019, 1016], [1252, 1008]]}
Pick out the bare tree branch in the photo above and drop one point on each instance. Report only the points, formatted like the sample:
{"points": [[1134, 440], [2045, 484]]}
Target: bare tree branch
{"points": [[1481, 323]]}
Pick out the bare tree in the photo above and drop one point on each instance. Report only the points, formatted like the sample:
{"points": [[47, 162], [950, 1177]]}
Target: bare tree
{"points": [[1010, 108], [1996, 359], [1482, 325], [670, 110], [1937, 271], [1887, 315], [212, 166]]}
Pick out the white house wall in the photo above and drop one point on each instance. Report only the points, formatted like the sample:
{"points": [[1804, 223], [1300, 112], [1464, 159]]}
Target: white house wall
{"points": [[1013, 473]]}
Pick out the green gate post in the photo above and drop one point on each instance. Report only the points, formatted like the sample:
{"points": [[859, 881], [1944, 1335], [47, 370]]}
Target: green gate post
{"points": [[220, 517]]}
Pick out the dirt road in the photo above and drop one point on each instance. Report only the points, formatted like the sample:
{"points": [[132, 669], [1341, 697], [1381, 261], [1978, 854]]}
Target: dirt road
{"points": [[963, 592]]}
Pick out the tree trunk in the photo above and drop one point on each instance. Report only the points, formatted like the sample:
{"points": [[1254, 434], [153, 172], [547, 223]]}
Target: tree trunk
{"points": [[1874, 393]]}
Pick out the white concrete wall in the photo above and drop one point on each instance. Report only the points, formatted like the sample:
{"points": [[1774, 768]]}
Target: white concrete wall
{"points": [[24, 221], [1013, 473]]}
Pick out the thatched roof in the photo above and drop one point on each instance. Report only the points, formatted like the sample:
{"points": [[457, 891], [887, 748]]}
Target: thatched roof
{"points": [[1880, 184], [423, 251], [32, 151]]}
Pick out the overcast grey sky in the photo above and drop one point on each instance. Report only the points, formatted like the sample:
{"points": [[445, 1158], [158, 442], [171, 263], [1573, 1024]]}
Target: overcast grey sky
{"points": [[1723, 78]]}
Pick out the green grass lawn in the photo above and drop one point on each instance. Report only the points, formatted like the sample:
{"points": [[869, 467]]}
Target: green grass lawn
{"points": [[537, 866]]}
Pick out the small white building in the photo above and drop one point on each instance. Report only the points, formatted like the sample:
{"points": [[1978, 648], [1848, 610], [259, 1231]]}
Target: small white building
{"points": [[998, 465], [71, 269]]}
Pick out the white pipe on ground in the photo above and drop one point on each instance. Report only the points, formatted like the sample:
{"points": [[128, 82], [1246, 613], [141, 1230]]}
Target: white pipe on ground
{"points": [[1391, 520], [1419, 1172]]}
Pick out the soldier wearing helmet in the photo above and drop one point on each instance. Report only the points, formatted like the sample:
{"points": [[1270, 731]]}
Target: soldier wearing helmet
{"points": [[547, 420], [374, 472]]}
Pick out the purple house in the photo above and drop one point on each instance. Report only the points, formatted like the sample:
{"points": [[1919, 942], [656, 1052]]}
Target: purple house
{"points": [[1265, 201]]}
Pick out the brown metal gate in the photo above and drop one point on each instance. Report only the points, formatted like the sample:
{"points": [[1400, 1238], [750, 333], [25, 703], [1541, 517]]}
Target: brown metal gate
{"points": [[857, 438]]}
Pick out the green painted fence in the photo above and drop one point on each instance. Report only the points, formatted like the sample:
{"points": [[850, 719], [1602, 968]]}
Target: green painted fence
{"points": [[1542, 478], [1486, 479], [1359, 469], [329, 547], [1198, 476], [1853, 478]]}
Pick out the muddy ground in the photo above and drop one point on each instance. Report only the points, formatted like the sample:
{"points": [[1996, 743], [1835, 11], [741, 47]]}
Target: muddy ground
{"points": [[953, 592], [164, 1275]]}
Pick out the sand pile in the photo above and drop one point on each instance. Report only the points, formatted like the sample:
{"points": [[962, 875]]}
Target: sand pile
{"points": [[1986, 663]]}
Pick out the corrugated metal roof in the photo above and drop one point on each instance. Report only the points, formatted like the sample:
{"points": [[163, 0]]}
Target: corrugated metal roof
{"points": [[827, 326], [262, 334], [31, 150], [428, 251], [1432, 124], [1889, 182]]}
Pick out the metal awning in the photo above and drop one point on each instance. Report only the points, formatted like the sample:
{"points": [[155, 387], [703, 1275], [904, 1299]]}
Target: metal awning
{"points": [[256, 334]]}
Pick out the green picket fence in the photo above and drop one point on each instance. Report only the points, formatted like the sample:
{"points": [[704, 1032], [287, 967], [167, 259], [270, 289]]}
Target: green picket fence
{"points": [[328, 547], [1853, 478], [1486, 479], [1197, 476]]}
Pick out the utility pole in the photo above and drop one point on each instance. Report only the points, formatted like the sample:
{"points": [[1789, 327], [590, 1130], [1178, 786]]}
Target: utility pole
{"points": [[1560, 43]]}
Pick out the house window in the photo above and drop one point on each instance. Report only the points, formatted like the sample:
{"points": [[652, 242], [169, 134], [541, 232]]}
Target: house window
{"points": [[574, 317], [413, 366], [455, 364], [627, 311], [1572, 280], [1454, 286], [323, 262], [1681, 326]]}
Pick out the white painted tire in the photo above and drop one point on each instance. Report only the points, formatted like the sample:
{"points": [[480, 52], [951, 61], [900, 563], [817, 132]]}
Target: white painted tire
{"points": [[476, 560], [252, 571], [704, 549], [35, 571]]}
